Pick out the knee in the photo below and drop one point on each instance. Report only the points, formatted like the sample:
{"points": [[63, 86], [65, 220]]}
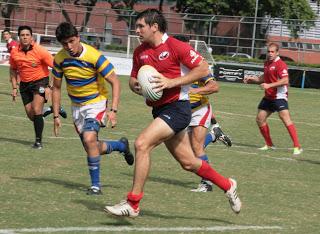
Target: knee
{"points": [[259, 121], [89, 140], [141, 144], [188, 166]]}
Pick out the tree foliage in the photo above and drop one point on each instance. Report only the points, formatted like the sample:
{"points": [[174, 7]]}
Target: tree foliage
{"points": [[291, 11]]}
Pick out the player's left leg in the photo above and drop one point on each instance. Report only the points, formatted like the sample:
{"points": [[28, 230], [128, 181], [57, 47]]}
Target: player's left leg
{"points": [[89, 137], [180, 147], [38, 123], [122, 146], [286, 119], [197, 138]]}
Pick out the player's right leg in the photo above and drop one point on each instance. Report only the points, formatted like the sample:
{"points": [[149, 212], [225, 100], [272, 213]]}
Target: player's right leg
{"points": [[264, 111], [150, 137]]}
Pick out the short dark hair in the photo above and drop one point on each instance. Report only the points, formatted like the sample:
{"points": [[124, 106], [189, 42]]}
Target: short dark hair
{"points": [[24, 27], [152, 16], [6, 30], [66, 30]]}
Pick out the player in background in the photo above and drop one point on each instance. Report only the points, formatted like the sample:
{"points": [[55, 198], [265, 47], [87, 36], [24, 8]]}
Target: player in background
{"points": [[10, 44], [274, 81], [216, 132], [179, 65], [200, 122], [86, 71], [30, 62]]}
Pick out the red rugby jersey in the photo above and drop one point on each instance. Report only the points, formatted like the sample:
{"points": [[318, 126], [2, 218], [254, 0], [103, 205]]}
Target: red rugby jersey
{"points": [[11, 44], [172, 58], [274, 71]]}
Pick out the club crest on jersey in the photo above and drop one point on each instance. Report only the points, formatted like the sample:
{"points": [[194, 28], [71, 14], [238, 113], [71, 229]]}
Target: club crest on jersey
{"points": [[193, 55], [164, 55]]}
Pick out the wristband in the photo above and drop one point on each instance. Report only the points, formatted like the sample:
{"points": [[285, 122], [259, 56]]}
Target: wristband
{"points": [[56, 116], [114, 110], [14, 88]]}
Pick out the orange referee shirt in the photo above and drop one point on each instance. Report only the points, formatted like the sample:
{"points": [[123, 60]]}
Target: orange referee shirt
{"points": [[33, 64]]}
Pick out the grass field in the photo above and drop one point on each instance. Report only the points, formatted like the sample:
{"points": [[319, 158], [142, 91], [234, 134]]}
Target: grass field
{"points": [[43, 191]]}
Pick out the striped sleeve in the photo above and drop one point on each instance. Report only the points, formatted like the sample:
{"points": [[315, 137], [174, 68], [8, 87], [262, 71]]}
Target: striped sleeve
{"points": [[57, 70], [104, 67]]}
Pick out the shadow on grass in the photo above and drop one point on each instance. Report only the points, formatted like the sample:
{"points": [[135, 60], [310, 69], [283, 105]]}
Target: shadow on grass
{"points": [[308, 161], [17, 141], [66, 184], [167, 181], [173, 216]]}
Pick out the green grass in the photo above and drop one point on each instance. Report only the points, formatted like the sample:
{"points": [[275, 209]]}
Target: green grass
{"points": [[46, 188]]}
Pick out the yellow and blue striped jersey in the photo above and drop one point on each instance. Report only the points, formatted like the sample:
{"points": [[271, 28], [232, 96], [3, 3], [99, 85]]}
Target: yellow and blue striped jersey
{"points": [[198, 100], [84, 74]]}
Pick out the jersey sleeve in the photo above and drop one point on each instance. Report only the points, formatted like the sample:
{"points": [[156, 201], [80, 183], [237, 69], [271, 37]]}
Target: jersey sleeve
{"points": [[104, 67], [46, 57], [12, 62], [135, 64], [282, 70], [57, 71], [186, 54]]}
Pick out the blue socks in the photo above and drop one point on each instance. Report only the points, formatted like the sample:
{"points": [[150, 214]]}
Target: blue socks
{"points": [[209, 138], [115, 146], [204, 158], [94, 170]]}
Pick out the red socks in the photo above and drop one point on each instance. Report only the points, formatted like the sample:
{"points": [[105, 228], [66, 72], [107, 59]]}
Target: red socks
{"points": [[265, 132], [134, 199], [293, 134], [207, 172]]}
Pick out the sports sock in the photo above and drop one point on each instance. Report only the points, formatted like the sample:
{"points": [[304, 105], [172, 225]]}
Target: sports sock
{"points": [[204, 158], [265, 132], [38, 124], [94, 170], [134, 199], [213, 120], [293, 134], [207, 172], [115, 146], [209, 138]]}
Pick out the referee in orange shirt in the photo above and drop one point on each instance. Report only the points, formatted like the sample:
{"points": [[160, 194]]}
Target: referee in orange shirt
{"points": [[31, 61]]}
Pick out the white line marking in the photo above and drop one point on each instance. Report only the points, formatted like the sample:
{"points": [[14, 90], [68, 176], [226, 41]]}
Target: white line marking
{"points": [[138, 229], [271, 118]]}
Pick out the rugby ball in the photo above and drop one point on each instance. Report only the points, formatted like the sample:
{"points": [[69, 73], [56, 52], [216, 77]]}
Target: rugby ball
{"points": [[145, 74]]}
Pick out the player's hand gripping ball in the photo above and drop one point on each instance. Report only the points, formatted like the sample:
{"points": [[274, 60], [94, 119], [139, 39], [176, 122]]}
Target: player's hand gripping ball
{"points": [[145, 74]]}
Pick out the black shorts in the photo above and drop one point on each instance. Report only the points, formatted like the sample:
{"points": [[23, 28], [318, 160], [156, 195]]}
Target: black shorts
{"points": [[28, 89], [273, 105], [176, 114]]}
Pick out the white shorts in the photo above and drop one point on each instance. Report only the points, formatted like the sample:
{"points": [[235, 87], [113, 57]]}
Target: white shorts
{"points": [[90, 111], [201, 117]]}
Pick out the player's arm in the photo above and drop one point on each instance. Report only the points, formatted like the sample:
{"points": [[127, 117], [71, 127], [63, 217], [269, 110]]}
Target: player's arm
{"points": [[56, 100], [280, 82], [210, 87], [113, 80], [13, 79], [199, 71], [253, 79], [134, 85]]}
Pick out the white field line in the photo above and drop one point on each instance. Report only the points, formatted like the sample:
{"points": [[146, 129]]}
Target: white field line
{"points": [[271, 118], [138, 229]]}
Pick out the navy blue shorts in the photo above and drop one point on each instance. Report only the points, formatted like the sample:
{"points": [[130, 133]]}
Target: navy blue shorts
{"points": [[273, 105], [176, 114]]}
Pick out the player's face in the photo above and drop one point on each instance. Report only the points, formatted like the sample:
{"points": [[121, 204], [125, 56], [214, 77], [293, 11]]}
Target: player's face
{"points": [[25, 37], [144, 31], [6, 36], [72, 45], [272, 53]]}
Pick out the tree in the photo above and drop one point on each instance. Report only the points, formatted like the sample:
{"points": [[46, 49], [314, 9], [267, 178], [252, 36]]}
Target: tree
{"points": [[291, 11]]}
